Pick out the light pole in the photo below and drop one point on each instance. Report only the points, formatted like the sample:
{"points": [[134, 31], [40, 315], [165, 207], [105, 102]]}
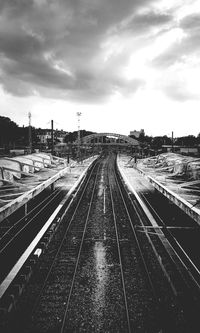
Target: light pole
{"points": [[52, 138], [172, 141], [29, 132], [79, 136]]}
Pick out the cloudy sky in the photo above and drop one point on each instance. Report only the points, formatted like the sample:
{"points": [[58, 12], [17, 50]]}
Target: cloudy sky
{"points": [[124, 64]]}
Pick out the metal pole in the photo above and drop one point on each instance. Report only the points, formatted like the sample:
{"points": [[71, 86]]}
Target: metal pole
{"points": [[172, 141], [52, 138], [79, 136], [29, 133]]}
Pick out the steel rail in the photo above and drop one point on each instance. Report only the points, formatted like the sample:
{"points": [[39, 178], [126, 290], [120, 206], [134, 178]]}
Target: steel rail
{"points": [[137, 242], [15, 270], [28, 215], [2, 250], [141, 208], [120, 259], [154, 291], [187, 299], [37, 300], [79, 253], [180, 252]]}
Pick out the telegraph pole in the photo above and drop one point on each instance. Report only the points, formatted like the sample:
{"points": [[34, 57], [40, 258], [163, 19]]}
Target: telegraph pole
{"points": [[79, 136], [29, 133], [172, 141], [52, 138]]}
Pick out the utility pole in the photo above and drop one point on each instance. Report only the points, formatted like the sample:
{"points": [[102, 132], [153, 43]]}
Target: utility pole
{"points": [[172, 141], [52, 138], [79, 136], [29, 133], [52, 149]]}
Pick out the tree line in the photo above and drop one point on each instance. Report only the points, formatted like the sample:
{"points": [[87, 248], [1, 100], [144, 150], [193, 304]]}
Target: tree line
{"points": [[13, 135], [158, 141]]}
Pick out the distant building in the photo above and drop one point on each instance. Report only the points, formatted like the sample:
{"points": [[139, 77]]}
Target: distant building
{"points": [[44, 135], [137, 134], [60, 135]]}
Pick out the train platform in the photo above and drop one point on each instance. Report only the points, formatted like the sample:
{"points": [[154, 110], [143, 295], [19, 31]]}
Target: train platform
{"points": [[142, 178], [23, 178]]}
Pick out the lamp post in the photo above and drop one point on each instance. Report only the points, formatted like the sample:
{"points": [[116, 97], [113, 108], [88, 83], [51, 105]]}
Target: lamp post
{"points": [[52, 138], [79, 136], [172, 141], [29, 132]]}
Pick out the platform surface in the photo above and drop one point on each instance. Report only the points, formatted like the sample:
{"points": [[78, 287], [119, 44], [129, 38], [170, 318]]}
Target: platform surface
{"points": [[16, 194], [142, 180]]}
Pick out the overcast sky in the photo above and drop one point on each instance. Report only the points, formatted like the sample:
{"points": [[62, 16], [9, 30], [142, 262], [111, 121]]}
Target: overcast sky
{"points": [[124, 64]]}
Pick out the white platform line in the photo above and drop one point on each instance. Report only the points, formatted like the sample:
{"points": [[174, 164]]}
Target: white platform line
{"points": [[145, 209]]}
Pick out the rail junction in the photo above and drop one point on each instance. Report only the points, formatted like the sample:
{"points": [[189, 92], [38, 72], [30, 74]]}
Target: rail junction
{"points": [[108, 254]]}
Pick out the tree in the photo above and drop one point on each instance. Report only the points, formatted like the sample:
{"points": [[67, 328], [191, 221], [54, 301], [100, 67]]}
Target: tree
{"points": [[145, 139], [198, 139], [9, 131], [72, 136], [159, 141], [189, 140]]}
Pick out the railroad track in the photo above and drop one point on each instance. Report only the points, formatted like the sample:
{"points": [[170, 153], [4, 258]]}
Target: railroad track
{"points": [[177, 226], [134, 272], [180, 271], [183, 272], [100, 272], [17, 237], [185, 255], [54, 296], [23, 241]]}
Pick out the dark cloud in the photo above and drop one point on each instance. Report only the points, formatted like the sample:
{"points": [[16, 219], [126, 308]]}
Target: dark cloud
{"points": [[191, 22], [152, 19], [16, 7], [55, 46], [37, 72], [19, 45], [141, 23]]}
